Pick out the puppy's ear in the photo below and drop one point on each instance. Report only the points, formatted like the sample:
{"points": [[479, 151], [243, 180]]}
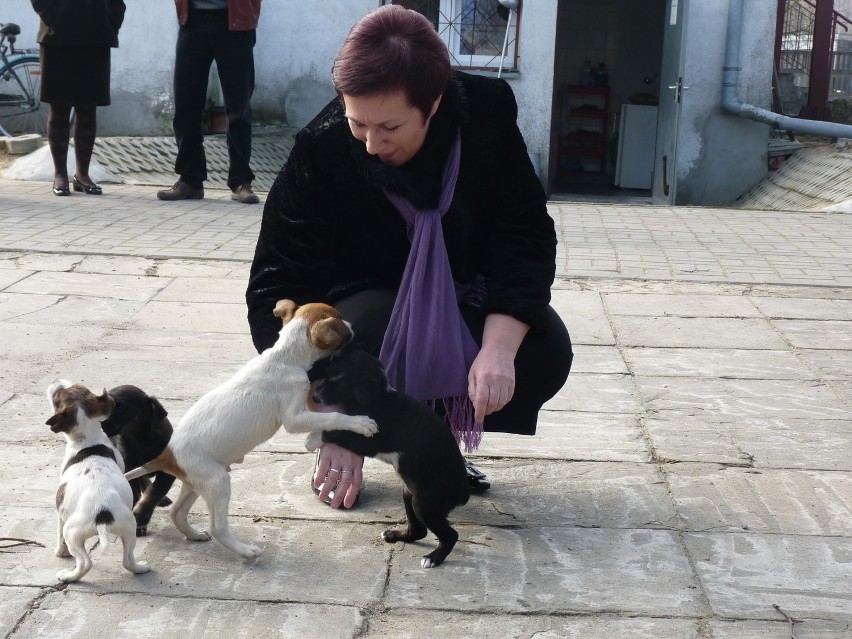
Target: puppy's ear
{"points": [[285, 309], [105, 404], [158, 413], [63, 422], [329, 334]]}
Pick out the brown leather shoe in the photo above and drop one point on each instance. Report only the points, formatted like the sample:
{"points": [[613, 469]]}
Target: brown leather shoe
{"points": [[181, 191], [244, 195]]}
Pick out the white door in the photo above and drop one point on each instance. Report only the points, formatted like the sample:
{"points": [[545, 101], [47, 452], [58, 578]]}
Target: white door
{"points": [[671, 96]]}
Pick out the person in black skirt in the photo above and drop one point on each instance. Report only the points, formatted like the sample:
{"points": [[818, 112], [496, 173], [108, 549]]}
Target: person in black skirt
{"points": [[411, 204], [76, 37]]}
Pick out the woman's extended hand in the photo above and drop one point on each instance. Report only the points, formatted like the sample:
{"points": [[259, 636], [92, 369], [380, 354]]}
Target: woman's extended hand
{"points": [[340, 470], [491, 379]]}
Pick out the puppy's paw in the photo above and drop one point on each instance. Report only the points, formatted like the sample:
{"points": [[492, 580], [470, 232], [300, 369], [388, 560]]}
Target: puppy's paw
{"points": [[198, 535], [313, 440], [139, 568], [62, 551], [67, 576], [250, 552], [363, 425], [428, 562], [141, 531], [165, 501]]}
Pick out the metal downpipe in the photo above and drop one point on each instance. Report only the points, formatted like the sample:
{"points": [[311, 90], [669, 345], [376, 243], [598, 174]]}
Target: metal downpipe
{"points": [[730, 83]]}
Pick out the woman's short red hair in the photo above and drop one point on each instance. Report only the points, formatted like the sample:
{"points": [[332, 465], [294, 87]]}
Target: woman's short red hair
{"points": [[392, 49]]}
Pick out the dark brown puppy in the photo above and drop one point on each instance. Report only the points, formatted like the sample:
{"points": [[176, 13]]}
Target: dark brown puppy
{"points": [[411, 437], [139, 427]]}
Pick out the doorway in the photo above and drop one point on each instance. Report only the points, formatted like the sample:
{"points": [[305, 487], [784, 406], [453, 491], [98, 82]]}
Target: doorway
{"points": [[606, 94]]}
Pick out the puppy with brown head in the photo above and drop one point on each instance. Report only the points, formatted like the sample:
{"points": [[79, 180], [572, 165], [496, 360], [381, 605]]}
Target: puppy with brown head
{"points": [[93, 498], [231, 420], [139, 428]]}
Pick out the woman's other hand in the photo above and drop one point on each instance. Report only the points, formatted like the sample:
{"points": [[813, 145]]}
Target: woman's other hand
{"points": [[491, 380]]}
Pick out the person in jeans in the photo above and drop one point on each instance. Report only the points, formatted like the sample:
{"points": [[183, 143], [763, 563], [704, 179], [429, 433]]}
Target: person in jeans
{"points": [[224, 31]]}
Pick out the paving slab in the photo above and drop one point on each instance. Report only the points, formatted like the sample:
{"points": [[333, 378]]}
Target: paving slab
{"points": [[555, 570], [597, 393], [697, 332], [696, 305], [802, 629], [744, 574], [693, 471], [14, 605], [74, 614], [827, 334], [407, 624], [771, 501], [759, 442], [713, 363], [744, 398], [123, 287], [575, 436]]}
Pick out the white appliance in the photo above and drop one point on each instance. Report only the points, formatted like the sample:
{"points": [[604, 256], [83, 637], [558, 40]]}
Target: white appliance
{"points": [[637, 141]]}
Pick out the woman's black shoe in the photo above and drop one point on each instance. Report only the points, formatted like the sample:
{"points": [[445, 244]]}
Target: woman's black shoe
{"points": [[476, 478], [61, 190], [89, 189]]}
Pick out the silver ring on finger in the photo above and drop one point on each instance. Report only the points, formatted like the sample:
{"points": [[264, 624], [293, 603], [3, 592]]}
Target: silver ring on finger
{"points": [[333, 470], [347, 472]]}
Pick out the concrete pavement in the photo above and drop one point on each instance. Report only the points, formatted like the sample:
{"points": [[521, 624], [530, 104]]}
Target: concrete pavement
{"points": [[692, 479]]}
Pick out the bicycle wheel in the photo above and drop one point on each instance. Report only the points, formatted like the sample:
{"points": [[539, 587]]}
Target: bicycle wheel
{"points": [[21, 110]]}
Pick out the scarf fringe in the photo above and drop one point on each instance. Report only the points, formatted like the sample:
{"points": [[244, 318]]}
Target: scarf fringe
{"points": [[459, 414]]}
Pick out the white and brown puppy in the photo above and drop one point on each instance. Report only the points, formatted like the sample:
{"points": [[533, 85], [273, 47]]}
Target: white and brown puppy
{"points": [[231, 420], [93, 498]]}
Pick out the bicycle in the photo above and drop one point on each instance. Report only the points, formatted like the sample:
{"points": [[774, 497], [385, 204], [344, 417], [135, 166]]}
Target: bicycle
{"points": [[21, 110]]}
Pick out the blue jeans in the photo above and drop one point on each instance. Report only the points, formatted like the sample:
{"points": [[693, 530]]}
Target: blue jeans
{"points": [[205, 37]]}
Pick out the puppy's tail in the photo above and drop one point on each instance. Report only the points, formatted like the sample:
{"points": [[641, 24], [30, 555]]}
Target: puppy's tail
{"points": [[165, 462], [103, 522]]}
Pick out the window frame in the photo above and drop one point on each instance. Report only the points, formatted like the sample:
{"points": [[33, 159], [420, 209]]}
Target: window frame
{"points": [[448, 13]]}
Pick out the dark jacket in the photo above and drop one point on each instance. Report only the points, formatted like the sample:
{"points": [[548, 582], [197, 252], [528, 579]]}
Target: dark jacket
{"points": [[79, 22], [243, 15], [328, 230]]}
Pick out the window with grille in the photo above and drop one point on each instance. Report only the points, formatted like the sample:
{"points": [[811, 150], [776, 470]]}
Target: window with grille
{"points": [[474, 31]]}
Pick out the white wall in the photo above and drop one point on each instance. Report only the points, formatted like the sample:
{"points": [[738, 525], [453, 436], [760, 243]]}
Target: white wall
{"points": [[296, 45], [720, 155]]}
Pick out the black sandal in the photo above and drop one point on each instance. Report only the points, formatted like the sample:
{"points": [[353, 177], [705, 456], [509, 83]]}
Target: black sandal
{"points": [[476, 478]]}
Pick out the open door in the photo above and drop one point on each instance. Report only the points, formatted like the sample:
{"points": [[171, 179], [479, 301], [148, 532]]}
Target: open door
{"points": [[671, 96]]}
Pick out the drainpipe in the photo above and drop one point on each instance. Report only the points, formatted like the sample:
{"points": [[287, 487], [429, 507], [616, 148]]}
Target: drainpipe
{"points": [[730, 81]]}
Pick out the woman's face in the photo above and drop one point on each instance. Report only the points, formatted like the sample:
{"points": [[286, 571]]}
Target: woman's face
{"points": [[392, 129]]}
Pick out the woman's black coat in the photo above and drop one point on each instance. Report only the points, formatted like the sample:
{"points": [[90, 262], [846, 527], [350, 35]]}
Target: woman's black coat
{"points": [[328, 230], [93, 23]]}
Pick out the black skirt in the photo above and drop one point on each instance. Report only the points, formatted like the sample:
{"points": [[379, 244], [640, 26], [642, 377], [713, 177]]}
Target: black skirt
{"points": [[75, 74]]}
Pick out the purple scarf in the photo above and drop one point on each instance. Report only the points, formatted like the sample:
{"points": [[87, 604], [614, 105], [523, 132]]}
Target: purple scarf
{"points": [[427, 348]]}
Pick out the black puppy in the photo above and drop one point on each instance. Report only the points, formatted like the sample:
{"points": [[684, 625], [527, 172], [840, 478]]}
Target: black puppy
{"points": [[411, 437], [140, 429]]}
